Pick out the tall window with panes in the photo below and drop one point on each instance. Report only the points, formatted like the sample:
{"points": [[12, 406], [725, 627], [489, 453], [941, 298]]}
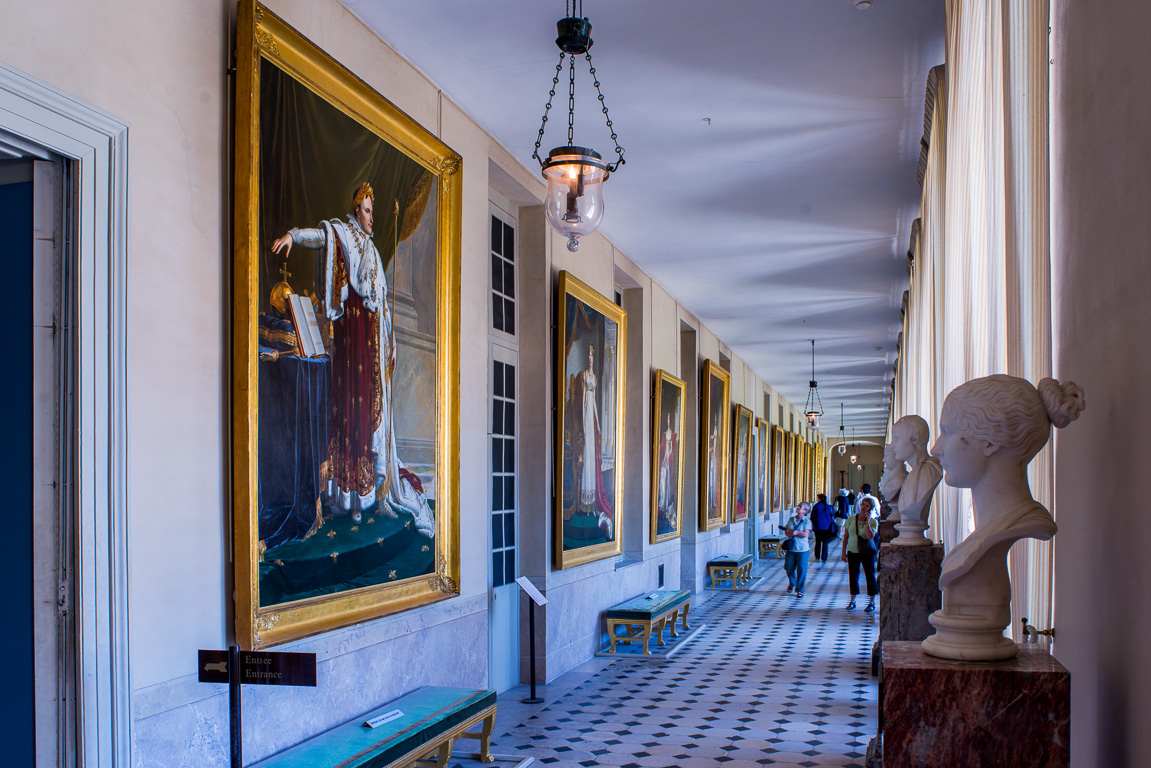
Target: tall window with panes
{"points": [[503, 258], [504, 360]]}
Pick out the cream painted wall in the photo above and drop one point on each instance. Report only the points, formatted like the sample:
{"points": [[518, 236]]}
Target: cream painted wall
{"points": [[1101, 163]]}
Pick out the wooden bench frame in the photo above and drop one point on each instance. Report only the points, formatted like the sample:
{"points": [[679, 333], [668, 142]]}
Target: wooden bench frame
{"points": [[737, 576], [769, 546], [639, 630], [442, 747]]}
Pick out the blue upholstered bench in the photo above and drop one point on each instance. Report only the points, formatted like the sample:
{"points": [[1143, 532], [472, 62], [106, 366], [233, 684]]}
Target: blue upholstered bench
{"points": [[640, 615], [734, 569], [769, 547], [433, 719]]}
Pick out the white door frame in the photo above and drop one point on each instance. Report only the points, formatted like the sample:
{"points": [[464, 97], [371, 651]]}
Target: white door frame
{"points": [[97, 143]]}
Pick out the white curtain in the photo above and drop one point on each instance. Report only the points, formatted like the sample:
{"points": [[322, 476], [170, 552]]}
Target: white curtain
{"points": [[980, 292]]}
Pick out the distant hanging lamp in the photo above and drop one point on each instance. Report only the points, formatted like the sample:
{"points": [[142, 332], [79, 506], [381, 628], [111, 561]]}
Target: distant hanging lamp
{"points": [[842, 436], [814, 408], [854, 456], [575, 175]]}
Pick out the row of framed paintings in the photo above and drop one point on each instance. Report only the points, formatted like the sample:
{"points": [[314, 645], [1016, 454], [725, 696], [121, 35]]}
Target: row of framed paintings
{"points": [[783, 469]]}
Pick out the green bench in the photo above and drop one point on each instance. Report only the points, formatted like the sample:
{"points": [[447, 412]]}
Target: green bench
{"points": [[733, 569], [769, 547], [423, 736], [640, 615]]}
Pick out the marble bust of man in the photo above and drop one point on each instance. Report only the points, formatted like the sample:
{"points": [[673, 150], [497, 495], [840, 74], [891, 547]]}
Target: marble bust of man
{"points": [[909, 439], [990, 430], [894, 473]]}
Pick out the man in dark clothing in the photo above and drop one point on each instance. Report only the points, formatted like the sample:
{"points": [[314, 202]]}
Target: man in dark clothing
{"points": [[823, 523]]}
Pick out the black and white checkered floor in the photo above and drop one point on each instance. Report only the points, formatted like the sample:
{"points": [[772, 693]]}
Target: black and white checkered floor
{"points": [[771, 680]]}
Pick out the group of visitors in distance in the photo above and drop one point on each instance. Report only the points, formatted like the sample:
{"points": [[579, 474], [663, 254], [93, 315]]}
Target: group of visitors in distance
{"points": [[855, 519]]}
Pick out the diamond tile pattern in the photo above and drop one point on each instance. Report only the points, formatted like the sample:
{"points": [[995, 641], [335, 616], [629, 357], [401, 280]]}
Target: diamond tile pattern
{"points": [[772, 680]]}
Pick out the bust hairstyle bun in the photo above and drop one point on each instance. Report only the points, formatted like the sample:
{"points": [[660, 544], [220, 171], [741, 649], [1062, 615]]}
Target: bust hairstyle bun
{"points": [[1064, 402], [1010, 413]]}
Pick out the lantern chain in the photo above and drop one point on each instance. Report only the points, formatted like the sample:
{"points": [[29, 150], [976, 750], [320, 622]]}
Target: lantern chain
{"points": [[571, 101], [547, 108], [603, 108]]}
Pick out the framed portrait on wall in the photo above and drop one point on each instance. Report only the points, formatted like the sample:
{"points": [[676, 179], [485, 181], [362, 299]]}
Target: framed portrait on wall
{"points": [[797, 469], [741, 472], [668, 422], [762, 466], [777, 468], [345, 346], [788, 470], [589, 441], [821, 469], [713, 453]]}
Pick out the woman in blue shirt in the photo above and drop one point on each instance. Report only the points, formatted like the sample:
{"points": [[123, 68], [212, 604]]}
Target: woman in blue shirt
{"points": [[823, 523], [798, 531]]}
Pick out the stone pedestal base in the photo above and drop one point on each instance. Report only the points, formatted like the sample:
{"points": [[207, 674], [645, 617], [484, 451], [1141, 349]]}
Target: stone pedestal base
{"points": [[911, 534], [908, 591], [940, 714], [887, 531]]}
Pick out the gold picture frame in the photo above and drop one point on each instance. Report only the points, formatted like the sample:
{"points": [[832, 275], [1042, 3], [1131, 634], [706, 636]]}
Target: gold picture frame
{"points": [[669, 420], [741, 465], [778, 450], [789, 455], [589, 458], [714, 424], [762, 466], [318, 563]]}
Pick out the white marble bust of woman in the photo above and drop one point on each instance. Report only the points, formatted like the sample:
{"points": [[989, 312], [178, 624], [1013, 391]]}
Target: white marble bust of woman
{"points": [[989, 431]]}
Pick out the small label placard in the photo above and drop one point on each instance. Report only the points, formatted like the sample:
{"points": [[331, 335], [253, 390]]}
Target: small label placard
{"points": [[530, 588], [387, 717]]}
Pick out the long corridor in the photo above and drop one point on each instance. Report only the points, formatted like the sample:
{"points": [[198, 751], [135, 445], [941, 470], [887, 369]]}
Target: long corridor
{"points": [[771, 680]]}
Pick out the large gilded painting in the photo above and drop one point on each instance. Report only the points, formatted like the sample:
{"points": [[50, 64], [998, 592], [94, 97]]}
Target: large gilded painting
{"points": [[669, 419], [762, 465], [713, 454], [741, 474], [589, 450], [345, 346], [788, 470], [777, 469]]}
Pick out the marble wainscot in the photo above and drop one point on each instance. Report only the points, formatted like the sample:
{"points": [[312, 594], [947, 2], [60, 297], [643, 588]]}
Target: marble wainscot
{"points": [[908, 591], [939, 713]]}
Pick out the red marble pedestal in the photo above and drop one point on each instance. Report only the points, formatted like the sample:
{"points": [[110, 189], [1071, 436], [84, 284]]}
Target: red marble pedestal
{"points": [[941, 713], [887, 531]]}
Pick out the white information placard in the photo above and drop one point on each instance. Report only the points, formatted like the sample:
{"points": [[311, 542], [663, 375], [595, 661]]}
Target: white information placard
{"points": [[530, 588]]}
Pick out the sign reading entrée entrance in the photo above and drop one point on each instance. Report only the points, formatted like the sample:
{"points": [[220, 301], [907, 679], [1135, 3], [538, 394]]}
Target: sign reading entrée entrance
{"points": [[236, 667], [260, 668]]}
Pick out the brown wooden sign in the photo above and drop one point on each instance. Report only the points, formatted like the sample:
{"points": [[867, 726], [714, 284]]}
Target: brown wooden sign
{"points": [[260, 668]]}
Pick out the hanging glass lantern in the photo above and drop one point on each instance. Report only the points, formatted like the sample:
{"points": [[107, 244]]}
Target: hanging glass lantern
{"points": [[842, 436], [574, 203], [814, 408], [575, 175]]}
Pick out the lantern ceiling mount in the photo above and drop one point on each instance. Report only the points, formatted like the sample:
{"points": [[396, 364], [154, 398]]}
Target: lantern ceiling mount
{"points": [[575, 175]]}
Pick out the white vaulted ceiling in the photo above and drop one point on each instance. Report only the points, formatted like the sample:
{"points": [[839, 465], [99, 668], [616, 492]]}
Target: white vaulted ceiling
{"points": [[772, 148]]}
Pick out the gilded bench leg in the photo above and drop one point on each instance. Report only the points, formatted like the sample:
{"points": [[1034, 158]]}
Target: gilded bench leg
{"points": [[671, 623], [659, 630], [683, 615], [485, 738], [646, 638], [611, 628]]}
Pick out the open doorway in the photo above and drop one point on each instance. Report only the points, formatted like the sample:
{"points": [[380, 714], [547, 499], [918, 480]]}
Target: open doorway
{"points": [[66, 164], [37, 554]]}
